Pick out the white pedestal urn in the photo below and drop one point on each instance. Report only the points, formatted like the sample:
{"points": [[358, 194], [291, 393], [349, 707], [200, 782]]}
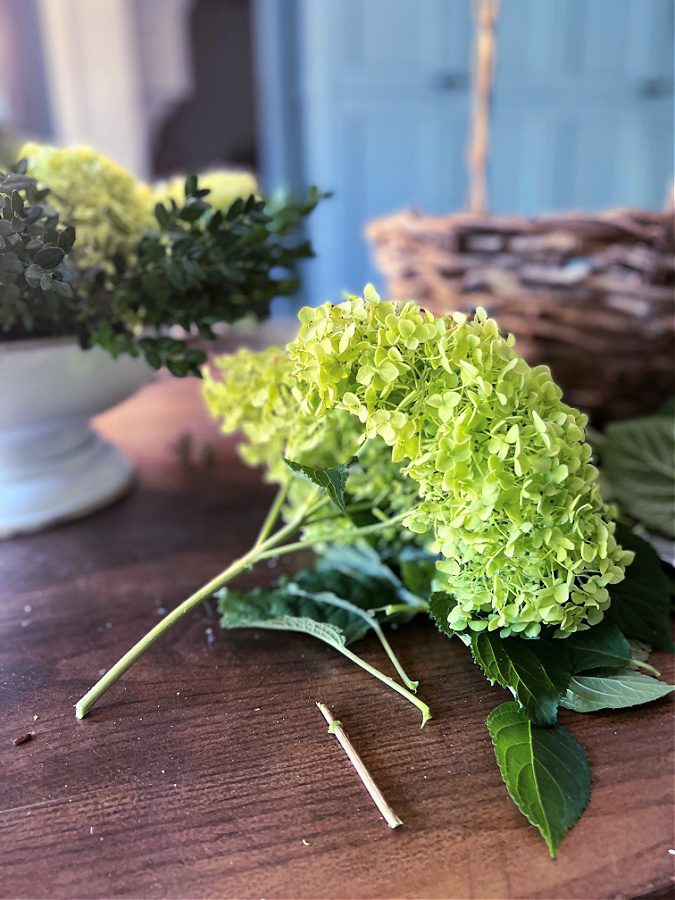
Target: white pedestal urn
{"points": [[53, 465]]}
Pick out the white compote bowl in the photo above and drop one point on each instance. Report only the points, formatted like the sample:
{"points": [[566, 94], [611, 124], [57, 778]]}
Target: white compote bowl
{"points": [[53, 465]]}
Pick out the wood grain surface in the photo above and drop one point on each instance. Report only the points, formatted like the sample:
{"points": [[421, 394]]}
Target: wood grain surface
{"points": [[208, 772]]}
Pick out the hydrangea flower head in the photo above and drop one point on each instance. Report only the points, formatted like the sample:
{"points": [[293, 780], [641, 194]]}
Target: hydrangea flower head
{"points": [[255, 393], [105, 203], [224, 185], [504, 474]]}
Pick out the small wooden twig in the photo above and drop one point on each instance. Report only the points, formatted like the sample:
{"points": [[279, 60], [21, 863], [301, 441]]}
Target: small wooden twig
{"points": [[335, 727]]}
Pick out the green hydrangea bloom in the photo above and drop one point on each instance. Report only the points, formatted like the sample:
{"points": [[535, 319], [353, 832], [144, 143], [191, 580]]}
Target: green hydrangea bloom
{"points": [[225, 187], [257, 395], [108, 207], [503, 470]]}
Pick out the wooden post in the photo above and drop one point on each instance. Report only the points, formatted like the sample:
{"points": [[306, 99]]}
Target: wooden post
{"points": [[485, 16]]}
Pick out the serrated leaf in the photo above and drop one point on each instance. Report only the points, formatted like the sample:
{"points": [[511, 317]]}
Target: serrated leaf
{"points": [[536, 672], [333, 479], [440, 607], [641, 602], [546, 771], [601, 647], [638, 459], [289, 610], [615, 690]]}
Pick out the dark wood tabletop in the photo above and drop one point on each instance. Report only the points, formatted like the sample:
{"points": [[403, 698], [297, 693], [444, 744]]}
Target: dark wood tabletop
{"points": [[208, 772]]}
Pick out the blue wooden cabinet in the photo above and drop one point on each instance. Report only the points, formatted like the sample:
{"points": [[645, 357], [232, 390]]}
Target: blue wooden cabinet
{"points": [[370, 99]]}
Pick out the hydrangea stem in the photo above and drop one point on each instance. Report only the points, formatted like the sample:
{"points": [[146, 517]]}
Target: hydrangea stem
{"points": [[332, 600], [394, 685], [266, 548]]}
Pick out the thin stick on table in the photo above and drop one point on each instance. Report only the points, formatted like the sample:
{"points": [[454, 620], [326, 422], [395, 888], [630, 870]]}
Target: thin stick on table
{"points": [[335, 727]]}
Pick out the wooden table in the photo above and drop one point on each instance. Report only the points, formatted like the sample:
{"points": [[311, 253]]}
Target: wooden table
{"points": [[208, 772]]}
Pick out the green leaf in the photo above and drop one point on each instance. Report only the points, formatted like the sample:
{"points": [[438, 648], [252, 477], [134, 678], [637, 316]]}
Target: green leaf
{"points": [[67, 238], [418, 570], [322, 615], [62, 288], [288, 610], [362, 568], [546, 771], [641, 602], [440, 607], [601, 647], [616, 690], [638, 457], [162, 215], [49, 257], [536, 672], [332, 480]]}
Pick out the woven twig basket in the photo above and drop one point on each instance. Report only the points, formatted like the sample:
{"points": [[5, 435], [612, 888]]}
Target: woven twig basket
{"points": [[589, 295]]}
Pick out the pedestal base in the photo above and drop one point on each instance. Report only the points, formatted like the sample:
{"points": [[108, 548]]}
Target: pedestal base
{"points": [[38, 493]]}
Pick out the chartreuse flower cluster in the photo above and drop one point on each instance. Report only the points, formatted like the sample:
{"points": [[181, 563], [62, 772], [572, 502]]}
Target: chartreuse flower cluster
{"points": [[224, 186], [503, 470], [257, 395], [107, 206]]}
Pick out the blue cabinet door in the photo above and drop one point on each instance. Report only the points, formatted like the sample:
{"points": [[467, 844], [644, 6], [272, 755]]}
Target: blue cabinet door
{"points": [[383, 94], [583, 105]]}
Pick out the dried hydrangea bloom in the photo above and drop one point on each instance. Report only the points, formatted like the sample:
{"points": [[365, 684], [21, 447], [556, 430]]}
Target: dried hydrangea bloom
{"points": [[225, 186], [255, 394], [504, 474], [105, 203]]}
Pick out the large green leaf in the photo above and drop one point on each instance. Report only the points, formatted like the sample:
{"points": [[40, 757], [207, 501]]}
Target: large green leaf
{"points": [[361, 563], [638, 459], [536, 672], [285, 610], [641, 602], [357, 573], [546, 771], [333, 480], [601, 647], [613, 690]]}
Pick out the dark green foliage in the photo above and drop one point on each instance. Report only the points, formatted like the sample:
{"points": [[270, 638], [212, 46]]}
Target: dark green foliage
{"points": [[358, 573], [440, 606], [197, 269], [613, 690], [546, 771], [36, 297], [638, 460], [537, 672], [333, 480], [283, 609], [203, 267], [641, 602], [601, 647]]}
